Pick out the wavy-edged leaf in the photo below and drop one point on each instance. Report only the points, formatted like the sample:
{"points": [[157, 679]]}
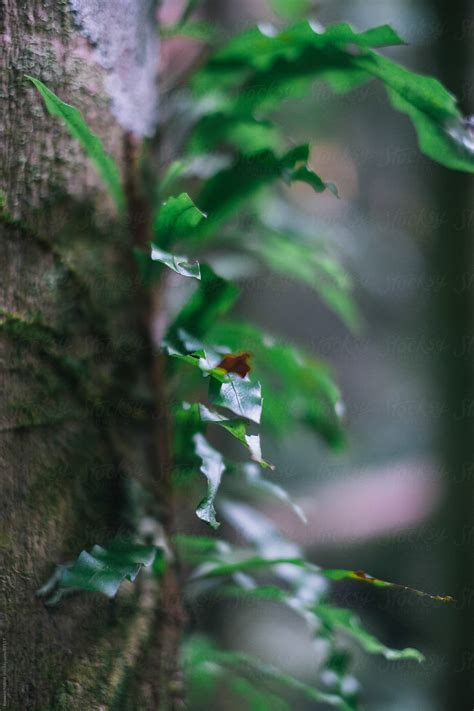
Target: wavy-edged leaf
{"points": [[432, 109], [302, 592], [255, 528], [177, 218], [224, 192], [252, 562], [262, 51], [237, 429], [242, 562], [332, 618], [285, 64], [267, 543], [286, 57], [291, 77], [349, 622], [286, 253], [102, 570], [343, 34], [188, 349], [237, 560], [149, 265], [77, 127], [212, 467], [295, 387], [180, 265], [198, 359], [241, 396], [258, 48]]}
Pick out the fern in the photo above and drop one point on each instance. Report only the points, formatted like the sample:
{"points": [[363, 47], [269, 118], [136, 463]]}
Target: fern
{"points": [[244, 381]]}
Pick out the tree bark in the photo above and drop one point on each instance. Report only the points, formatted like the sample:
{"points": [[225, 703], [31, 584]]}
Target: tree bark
{"points": [[74, 350]]}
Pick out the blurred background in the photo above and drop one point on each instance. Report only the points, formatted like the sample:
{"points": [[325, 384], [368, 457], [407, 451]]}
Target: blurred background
{"points": [[398, 500]]}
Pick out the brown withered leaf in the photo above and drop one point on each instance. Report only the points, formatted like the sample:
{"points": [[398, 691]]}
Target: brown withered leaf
{"points": [[236, 363]]}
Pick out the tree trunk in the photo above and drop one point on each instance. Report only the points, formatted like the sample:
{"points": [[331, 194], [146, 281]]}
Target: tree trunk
{"points": [[74, 351]]}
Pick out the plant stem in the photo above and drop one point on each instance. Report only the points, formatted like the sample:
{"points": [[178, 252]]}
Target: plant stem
{"points": [[163, 662]]}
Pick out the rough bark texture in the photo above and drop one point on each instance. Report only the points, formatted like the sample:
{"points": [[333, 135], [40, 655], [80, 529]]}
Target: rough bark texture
{"points": [[73, 350]]}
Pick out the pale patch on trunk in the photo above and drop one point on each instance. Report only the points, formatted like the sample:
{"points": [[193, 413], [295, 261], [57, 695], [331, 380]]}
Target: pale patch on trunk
{"points": [[123, 33]]}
